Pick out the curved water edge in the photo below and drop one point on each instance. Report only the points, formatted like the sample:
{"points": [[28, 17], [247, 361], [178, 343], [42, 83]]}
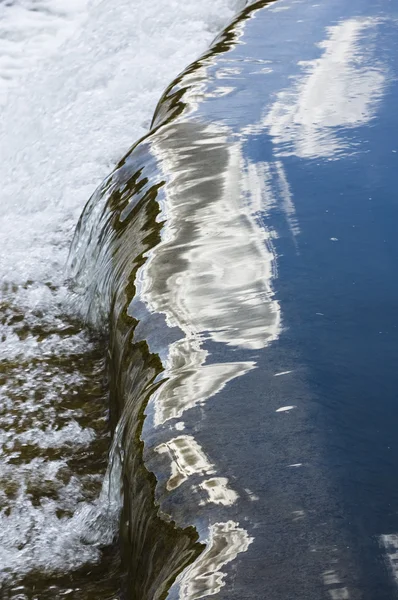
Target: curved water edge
{"points": [[153, 240], [179, 246]]}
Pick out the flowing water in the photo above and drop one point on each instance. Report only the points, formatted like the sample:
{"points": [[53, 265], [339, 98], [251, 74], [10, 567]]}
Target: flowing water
{"points": [[78, 84]]}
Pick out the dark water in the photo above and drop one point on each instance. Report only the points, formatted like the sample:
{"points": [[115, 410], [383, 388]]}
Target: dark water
{"points": [[244, 256]]}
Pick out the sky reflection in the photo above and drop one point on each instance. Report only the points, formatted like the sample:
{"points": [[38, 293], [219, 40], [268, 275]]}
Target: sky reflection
{"points": [[340, 90]]}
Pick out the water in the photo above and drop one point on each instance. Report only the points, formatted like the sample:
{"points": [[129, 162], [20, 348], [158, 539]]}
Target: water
{"points": [[78, 84], [237, 270], [245, 254]]}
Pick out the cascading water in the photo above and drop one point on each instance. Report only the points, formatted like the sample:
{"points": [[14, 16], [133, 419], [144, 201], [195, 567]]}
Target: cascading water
{"points": [[78, 82], [172, 210]]}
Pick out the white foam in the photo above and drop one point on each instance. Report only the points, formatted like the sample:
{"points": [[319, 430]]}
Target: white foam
{"points": [[30, 31]]}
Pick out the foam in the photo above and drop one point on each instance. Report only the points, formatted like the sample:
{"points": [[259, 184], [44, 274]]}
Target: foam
{"points": [[30, 31]]}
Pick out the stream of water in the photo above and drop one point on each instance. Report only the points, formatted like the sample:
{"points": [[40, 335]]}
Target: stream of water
{"points": [[79, 81]]}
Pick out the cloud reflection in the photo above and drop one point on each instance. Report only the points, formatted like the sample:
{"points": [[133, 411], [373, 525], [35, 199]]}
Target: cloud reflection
{"points": [[187, 458], [341, 89], [211, 275], [211, 278], [205, 577]]}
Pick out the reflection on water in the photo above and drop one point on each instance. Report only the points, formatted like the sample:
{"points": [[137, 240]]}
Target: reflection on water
{"points": [[218, 491], [389, 543], [214, 255], [211, 274], [187, 458], [211, 277], [269, 187], [226, 541], [191, 382], [341, 89]]}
